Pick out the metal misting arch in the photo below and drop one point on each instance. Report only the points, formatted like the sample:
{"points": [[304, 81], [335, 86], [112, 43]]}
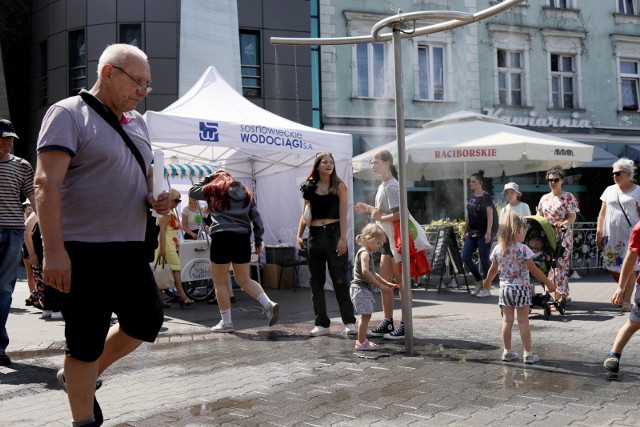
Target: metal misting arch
{"points": [[401, 28]]}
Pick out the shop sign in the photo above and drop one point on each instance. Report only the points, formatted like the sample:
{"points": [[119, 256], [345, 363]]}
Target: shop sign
{"points": [[533, 120]]}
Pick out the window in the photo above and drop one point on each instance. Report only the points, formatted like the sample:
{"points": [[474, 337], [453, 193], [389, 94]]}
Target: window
{"points": [[628, 7], [431, 73], [131, 34], [562, 4], [510, 72], [44, 74], [250, 64], [630, 84], [77, 62], [562, 81], [370, 70]]}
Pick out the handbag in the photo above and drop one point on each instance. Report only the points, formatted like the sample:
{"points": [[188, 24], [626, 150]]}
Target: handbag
{"points": [[307, 215], [162, 273]]}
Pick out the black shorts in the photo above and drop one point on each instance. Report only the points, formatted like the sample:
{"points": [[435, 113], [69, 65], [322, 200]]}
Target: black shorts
{"points": [[229, 247], [107, 278], [385, 249]]}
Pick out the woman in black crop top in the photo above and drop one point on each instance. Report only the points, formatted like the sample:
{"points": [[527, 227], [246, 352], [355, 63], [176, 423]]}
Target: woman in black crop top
{"points": [[327, 243]]}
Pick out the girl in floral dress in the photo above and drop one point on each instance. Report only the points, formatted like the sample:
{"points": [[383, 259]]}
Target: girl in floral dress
{"points": [[560, 208], [515, 262]]}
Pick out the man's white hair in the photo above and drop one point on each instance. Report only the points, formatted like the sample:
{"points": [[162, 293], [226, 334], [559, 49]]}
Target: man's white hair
{"points": [[118, 54]]}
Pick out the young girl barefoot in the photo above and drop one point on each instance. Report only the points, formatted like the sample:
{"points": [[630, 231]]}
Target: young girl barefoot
{"points": [[515, 261], [364, 279]]}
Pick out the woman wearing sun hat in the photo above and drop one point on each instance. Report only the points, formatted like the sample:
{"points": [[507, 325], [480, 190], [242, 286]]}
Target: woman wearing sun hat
{"points": [[512, 193]]}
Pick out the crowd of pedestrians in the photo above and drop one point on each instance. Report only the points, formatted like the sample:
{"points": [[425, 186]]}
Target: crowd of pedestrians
{"points": [[60, 246]]}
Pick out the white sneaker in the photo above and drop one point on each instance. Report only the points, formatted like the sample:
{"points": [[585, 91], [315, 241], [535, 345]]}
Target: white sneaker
{"points": [[57, 315], [272, 313], [319, 331], [483, 293], [350, 329], [531, 359], [510, 356], [222, 327], [477, 288], [46, 314]]}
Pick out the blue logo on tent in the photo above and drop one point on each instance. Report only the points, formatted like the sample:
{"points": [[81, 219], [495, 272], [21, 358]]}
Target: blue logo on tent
{"points": [[209, 131]]}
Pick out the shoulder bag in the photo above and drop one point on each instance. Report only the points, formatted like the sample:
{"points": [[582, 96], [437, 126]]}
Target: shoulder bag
{"points": [[152, 232], [622, 209]]}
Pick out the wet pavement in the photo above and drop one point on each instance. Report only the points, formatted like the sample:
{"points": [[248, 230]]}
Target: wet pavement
{"points": [[280, 376]]}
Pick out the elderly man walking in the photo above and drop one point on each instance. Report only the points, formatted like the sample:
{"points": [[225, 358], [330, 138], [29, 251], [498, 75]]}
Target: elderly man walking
{"points": [[93, 184], [16, 178]]}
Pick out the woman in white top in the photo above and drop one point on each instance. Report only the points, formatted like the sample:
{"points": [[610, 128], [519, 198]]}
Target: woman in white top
{"points": [[192, 219], [618, 215], [512, 193]]}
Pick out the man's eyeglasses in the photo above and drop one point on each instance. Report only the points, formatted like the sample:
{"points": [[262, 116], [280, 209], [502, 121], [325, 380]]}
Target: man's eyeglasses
{"points": [[139, 86], [554, 180], [617, 173]]}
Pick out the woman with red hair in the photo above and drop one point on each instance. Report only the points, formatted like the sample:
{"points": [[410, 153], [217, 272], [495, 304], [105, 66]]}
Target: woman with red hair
{"points": [[232, 211]]}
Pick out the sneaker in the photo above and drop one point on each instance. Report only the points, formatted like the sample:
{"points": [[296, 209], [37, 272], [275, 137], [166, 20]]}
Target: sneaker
{"points": [[398, 334], [366, 345], [483, 293], [451, 285], [225, 328], [477, 288], [319, 331], [46, 314], [384, 327], [350, 329], [63, 382], [57, 315], [272, 313], [4, 359], [510, 356], [531, 359], [612, 364]]}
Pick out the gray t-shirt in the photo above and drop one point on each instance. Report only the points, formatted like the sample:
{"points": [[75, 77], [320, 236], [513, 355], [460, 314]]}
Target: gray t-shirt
{"points": [[388, 196], [104, 191]]}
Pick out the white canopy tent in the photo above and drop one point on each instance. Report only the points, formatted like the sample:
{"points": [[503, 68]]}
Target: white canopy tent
{"points": [[214, 126]]}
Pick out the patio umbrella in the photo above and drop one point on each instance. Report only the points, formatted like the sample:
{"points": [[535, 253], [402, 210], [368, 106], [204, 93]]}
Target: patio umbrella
{"points": [[464, 142]]}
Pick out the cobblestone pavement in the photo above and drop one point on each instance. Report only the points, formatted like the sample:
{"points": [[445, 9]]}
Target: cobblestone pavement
{"points": [[281, 376]]}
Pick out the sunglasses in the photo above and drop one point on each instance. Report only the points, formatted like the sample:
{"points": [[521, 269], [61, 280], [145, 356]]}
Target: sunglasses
{"points": [[554, 180], [616, 173], [177, 200]]}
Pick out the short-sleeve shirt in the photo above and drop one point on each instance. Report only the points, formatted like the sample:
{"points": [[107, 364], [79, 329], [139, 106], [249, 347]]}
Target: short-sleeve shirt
{"points": [[634, 243], [557, 210], [477, 212], [16, 176], [388, 196], [194, 219], [513, 264], [521, 209], [104, 190]]}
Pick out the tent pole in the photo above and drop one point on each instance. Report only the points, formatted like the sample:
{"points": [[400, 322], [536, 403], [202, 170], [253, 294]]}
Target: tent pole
{"points": [[407, 315]]}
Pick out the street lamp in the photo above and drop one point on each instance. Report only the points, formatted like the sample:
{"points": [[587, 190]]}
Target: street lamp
{"points": [[401, 28]]}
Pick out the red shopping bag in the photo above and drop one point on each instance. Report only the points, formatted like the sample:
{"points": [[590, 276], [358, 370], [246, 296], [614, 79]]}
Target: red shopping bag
{"points": [[418, 262]]}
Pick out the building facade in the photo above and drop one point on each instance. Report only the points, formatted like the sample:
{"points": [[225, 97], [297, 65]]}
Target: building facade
{"points": [[68, 36], [569, 68]]}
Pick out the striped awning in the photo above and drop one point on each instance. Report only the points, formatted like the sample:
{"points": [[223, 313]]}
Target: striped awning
{"points": [[187, 170]]}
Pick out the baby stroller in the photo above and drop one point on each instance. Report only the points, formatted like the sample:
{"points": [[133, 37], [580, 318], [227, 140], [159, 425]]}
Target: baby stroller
{"points": [[541, 231]]}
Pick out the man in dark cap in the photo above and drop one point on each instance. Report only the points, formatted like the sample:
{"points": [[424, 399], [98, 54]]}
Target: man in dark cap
{"points": [[16, 178]]}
